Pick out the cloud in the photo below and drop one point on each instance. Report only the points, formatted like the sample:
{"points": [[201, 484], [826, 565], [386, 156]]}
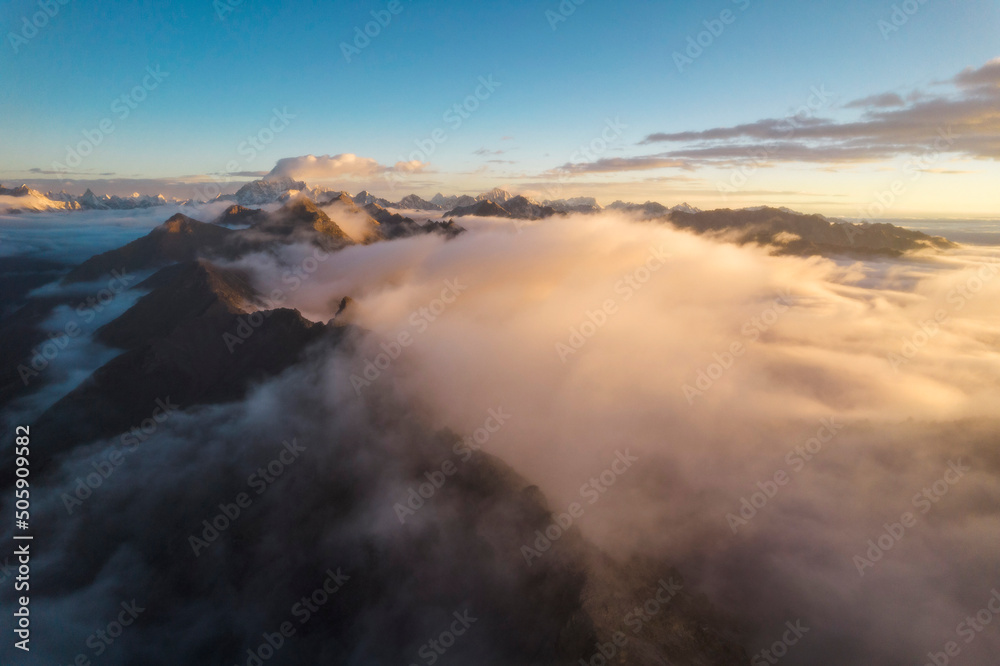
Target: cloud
{"points": [[987, 75], [617, 164], [679, 304], [968, 119], [247, 174], [883, 100], [50, 172], [313, 168], [825, 356], [413, 166]]}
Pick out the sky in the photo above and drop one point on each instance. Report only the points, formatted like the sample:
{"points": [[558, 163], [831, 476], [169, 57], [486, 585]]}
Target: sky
{"points": [[831, 108]]}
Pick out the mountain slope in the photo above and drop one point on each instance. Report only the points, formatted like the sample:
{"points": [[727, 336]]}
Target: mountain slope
{"points": [[237, 215], [485, 208], [180, 238], [413, 202], [180, 293], [265, 190], [797, 233]]}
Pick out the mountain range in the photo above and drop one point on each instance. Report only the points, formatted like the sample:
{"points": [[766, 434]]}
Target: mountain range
{"points": [[786, 230]]}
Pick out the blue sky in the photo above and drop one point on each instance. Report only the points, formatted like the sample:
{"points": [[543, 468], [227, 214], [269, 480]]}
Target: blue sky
{"points": [[226, 73]]}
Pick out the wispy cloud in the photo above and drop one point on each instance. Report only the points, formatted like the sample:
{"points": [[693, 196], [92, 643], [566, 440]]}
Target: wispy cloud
{"points": [[616, 164], [883, 100], [49, 172], [888, 127]]}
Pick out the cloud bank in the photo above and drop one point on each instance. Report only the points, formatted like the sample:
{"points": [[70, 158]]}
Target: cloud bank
{"points": [[788, 415], [719, 367], [312, 168]]}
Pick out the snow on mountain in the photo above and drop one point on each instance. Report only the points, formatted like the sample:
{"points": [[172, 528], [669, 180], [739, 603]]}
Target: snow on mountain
{"points": [[496, 195], [23, 199], [413, 202], [685, 208], [517, 207], [265, 190], [365, 197], [449, 203], [91, 201], [526, 209], [575, 205], [649, 209], [483, 208]]}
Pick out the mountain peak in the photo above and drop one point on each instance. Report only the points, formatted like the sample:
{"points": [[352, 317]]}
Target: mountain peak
{"points": [[496, 195], [179, 223]]}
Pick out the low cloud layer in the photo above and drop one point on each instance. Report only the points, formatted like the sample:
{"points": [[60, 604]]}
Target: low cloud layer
{"points": [[716, 365], [786, 413]]}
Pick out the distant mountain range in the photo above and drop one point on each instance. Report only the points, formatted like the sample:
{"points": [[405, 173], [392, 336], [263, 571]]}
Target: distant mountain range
{"points": [[24, 199], [278, 190], [787, 230]]}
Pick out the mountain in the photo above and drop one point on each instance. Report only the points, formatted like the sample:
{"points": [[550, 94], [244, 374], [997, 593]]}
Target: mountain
{"points": [[484, 208], [364, 198], [684, 208], [797, 233], [236, 216], [90, 201], [517, 207], [650, 209], [23, 199], [180, 238], [298, 221], [527, 209], [201, 357], [413, 202], [265, 190], [448, 203], [496, 195], [179, 293], [19, 191], [393, 225], [575, 205], [323, 196]]}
